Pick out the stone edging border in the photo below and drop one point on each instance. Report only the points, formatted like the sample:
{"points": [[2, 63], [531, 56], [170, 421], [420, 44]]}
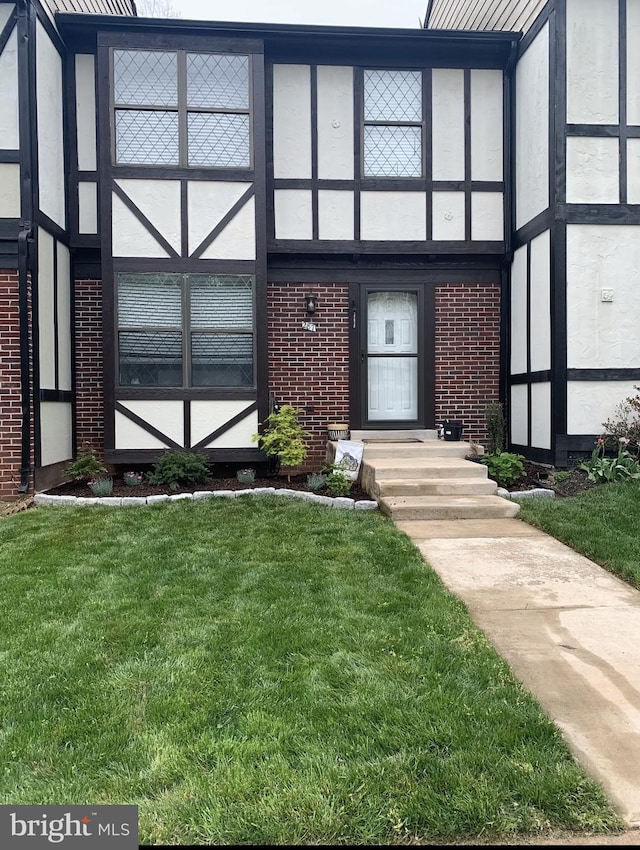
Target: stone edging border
{"points": [[518, 495], [42, 499]]}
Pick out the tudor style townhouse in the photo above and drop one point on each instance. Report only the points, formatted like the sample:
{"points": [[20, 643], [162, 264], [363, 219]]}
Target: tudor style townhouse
{"points": [[385, 227]]}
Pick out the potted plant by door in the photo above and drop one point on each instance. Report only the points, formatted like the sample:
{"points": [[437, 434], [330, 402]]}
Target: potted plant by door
{"points": [[338, 430]]}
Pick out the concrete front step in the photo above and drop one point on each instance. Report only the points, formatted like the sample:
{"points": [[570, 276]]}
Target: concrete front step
{"points": [[447, 507], [431, 449], [434, 487], [430, 467]]}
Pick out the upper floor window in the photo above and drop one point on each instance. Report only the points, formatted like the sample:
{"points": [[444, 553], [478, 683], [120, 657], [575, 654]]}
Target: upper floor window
{"points": [[393, 124], [183, 109]]}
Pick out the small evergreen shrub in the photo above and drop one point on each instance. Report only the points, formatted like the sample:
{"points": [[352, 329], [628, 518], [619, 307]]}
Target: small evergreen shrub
{"points": [[494, 416], [180, 468], [85, 467]]}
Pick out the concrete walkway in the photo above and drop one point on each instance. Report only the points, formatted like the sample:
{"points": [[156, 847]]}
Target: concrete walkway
{"points": [[569, 630]]}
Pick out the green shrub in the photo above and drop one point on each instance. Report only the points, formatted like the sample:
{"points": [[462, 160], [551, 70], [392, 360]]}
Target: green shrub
{"points": [[337, 482], [506, 468], [180, 468], [625, 424], [85, 467], [246, 476]]}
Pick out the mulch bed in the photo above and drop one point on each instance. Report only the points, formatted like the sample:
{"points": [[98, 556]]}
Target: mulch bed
{"points": [[538, 475], [229, 482]]}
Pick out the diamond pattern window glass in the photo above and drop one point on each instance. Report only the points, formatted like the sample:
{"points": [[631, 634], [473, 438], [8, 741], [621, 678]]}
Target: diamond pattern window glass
{"points": [[392, 151], [152, 91], [177, 330], [393, 96], [393, 132], [146, 137], [219, 139], [217, 82], [145, 78]]}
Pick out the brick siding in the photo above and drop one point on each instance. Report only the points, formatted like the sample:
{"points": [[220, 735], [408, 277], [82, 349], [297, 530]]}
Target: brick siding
{"points": [[307, 369], [467, 354], [89, 366], [10, 387]]}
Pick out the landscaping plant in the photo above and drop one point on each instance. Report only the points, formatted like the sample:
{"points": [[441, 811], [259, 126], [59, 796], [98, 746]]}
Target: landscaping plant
{"points": [[338, 483], [625, 423], [102, 486], [506, 467], [180, 468], [284, 438], [603, 470], [246, 476], [494, 416], [85, 467], [132, 479], [316, 480]]}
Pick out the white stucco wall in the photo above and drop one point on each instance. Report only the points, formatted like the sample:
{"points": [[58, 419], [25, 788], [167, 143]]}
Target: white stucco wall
{"points": [[633, 170], [593, 170], [335, 123], [448, 124], [487, 125], [541, 302], [394, 216], [159, 201], [165, 416], [292, 121], [599, 334], [55, 432], [64, 317], [335, 214], [239, 436], [208, 203], [532, 130], [86, 112], [9, 120], [238, 239], [487, 216], [519, 415], [519, 312], [448, 211], [591, 403], [592, 62], [541, 416], [9, 190], [130, 237], [87, 208], [208, 416], [293, 214], [46, 308], [50, 130], [633, 62]]}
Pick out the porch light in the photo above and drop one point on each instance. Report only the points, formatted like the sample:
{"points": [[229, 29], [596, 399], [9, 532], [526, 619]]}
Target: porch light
{"points": [[311, 304]]}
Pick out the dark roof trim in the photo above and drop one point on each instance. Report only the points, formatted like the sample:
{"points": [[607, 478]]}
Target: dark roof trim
{"points": [[76, 20]]}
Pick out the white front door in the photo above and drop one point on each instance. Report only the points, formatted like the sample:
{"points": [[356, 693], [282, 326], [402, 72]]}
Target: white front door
{"points": [[392, 356]]}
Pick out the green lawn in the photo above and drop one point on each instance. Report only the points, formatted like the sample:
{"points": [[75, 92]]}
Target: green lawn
{"points": [[602, 524], [255, 671]]}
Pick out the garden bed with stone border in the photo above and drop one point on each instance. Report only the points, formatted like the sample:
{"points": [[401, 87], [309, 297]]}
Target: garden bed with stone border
{"points": [[344, 503]]}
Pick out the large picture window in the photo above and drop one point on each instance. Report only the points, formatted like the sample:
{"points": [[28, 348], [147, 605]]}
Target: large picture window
{"points": [[194, 330], [393, 124], [183, 109]]}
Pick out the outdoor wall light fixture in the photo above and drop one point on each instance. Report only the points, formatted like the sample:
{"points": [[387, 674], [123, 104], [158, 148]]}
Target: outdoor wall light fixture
{"points": [[310, 304]]}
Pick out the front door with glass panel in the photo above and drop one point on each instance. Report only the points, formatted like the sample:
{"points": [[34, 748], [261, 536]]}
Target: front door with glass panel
{"points": [[392, 357]]}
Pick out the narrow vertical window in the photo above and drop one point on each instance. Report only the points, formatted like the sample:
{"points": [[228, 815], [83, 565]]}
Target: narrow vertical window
{"points": [[393, 124]]}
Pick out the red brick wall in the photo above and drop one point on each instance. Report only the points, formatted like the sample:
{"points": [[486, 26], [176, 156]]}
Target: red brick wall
{"points": [[10, 390], [467, 354], [89, 366], [306, 369]]}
